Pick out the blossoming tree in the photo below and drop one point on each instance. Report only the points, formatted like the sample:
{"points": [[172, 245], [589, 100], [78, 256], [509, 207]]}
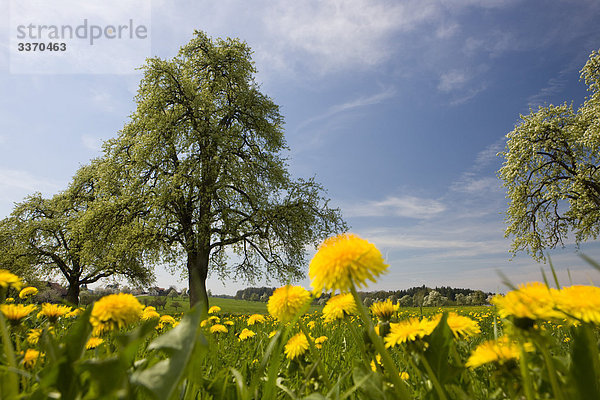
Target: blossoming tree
{"points": [[203, 150], [80, 234], [552, 172]]}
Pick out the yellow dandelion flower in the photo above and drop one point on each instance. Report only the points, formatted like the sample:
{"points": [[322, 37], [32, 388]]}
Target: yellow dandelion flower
{"points": [[150, 313], [204, 323], [404, 376], [33, 336], [229, 323], [218, 328], [245, 334], [580, 302], [8, 279], [311, 324], [93, 342], [76, 312], [214, 319], [53, 311], [500, 351], [405, 331], [28, 292], [30, 358], [409, 330], [339, 306], [272, 333], [256, 319], [164, 321], [533, 301], [296, 346], [343, 260], [384, 309], [287, 301], [10, 300], [378, 360], [14, 313], [428, 325], [214, 310], [319, 341], [115, 311], [462, 326]]}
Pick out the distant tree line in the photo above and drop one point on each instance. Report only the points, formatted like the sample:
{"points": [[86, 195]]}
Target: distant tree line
{"points": [[254, 294], [413, 297]]}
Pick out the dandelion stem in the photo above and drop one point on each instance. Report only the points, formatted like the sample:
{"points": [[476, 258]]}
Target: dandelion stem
{"points": [[359, 343], [551, 373], [434, 380], [527, 385], [313, 350], [13, 383], [388, 363]]}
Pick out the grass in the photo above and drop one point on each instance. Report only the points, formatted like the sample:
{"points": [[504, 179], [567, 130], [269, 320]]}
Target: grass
{"points": [[228, 306], [234, 306]]}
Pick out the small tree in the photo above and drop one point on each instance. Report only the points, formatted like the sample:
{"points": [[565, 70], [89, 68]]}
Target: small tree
{"points": [[434, 299], [406, 301], [75, 235], [552, 172]]}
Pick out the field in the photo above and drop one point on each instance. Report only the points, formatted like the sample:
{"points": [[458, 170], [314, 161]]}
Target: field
{"points": [[229, 306], [311, 353]]}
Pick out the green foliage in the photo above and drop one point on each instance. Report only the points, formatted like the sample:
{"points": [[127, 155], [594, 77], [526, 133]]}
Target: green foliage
{"points": [[203, 152], [81, 234], [552, 172]]}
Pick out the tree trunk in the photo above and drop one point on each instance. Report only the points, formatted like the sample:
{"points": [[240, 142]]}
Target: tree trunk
{"points": [[73, 293], [197, 264]]}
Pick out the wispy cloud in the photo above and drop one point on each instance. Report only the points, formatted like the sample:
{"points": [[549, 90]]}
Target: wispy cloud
{"points": [[16, 184], [91, 143], [334, 112], [452, 80], [403, 206], [478, 180], [471, 184], [335, 34], [102, 99], [490, 154], [11, 179], [554, 86], [446, 31], [362, 101]]}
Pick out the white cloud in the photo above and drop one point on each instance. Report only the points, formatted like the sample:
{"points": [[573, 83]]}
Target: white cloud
{"points": [[447, 31], [362, 101], [490, 154], [471, 184], [477, 180], [315, 137], [452, 80], [92, 143], [102, 99], [404, 206], [16, 184], [338, 34], [555, 86]]}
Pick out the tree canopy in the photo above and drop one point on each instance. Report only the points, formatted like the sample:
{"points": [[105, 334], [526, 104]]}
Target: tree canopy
{"points": [[78, 234], [203, 152], [552, 172]]}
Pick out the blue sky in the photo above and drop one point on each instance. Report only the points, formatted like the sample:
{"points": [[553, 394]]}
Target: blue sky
{"points": [[397, 107]]}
